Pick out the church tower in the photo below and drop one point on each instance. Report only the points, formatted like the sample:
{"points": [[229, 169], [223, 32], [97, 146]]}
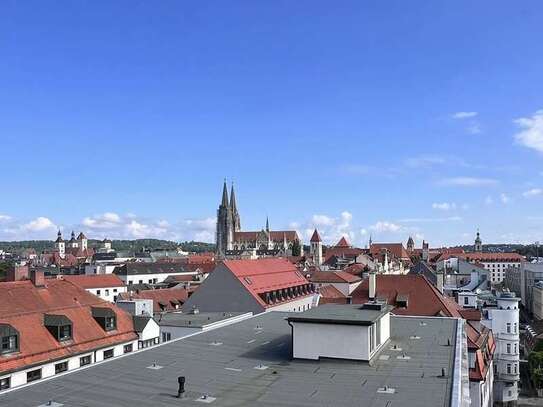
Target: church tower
{"points": [[225, 225], [60, 245], [234, 209], [315, 248], [478, 247], [410, 245]]}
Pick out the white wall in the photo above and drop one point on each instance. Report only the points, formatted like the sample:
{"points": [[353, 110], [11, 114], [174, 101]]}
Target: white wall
{"points": [[312, 341], [151, 278], [315, 340], [48, 369], [107, 293], [297, 305], [151, 331]]}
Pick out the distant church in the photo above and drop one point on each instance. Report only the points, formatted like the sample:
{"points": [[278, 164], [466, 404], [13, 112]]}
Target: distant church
{"points": [[231, 241]]}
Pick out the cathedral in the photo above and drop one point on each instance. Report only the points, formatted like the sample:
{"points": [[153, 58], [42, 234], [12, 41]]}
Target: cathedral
{"points": [[231, 241]]}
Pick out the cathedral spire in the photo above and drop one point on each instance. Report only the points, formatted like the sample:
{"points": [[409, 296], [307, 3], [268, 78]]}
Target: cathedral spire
{"points": [[224, 194], [233, 205], [267, 224]]}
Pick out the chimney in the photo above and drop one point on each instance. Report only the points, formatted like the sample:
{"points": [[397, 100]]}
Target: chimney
{"points": [[440, 280], [371, 285], [37, 277], [17, 273]]}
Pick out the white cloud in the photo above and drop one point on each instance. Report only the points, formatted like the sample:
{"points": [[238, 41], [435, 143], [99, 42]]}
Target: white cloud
{"points": [[39, 224], [322, 220], [385, 226], [4, 218], [431, 220], [504, 198], [533, 192], [464, 115], [474, 128], [489, 200], [106, 220], [531, 135], [424, 161], [444, 206], [468, 182]]}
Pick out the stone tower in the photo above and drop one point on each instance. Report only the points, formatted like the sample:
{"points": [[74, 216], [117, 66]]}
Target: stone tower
{"points": [[225, 224], [60, 245], [478, 247], [410, 245], [315, 248], [233, 207]]}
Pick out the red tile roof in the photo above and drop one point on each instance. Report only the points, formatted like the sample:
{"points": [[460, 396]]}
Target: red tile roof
{"points": [[355, 269], [485, 257], [349, 252], [23, 305], [396, 249], [316, 237], [163, 299], [264, 275], [331, 295], [343, 242], [333, 277], [95, 280]]}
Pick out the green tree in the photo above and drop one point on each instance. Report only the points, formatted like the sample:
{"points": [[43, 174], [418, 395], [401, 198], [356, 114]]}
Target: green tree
{"points": [[296, 249]]}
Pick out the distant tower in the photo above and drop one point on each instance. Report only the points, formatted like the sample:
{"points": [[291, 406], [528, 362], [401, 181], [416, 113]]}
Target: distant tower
{"points": [[370, 242], [60, 245], [74, 244], [267, 224], [225, 224], [425, 251], [234, 209], [478, 247], [315, 248], [410, 245], [83, 241]]}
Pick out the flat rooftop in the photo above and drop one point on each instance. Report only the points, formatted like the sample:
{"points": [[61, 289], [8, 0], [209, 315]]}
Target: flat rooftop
{"points": [[342, 314], [249, 364], [199, 320]]}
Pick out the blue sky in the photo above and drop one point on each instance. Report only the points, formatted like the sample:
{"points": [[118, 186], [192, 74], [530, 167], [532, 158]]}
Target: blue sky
{"points": [[389, 118]]}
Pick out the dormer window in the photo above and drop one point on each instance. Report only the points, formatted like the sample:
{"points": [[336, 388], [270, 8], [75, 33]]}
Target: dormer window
{"points": [[105, 317], [59, 326], [9, 339]]}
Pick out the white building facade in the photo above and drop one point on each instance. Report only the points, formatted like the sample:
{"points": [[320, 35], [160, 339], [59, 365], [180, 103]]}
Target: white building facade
{"points": [[503, 320]]}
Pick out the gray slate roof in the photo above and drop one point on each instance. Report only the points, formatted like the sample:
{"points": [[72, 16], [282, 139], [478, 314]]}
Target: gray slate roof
{"points": [[249, 364]]}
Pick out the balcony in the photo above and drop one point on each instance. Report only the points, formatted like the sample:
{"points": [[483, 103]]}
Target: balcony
{"points": [[509, 357], [510, 377]]}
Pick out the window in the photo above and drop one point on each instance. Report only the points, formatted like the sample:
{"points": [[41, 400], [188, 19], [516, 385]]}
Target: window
{"points": [[85, 360], [508, 327], [508, 368], [508, 348], [33, 375], [9, 344], [5, 383], [466, 301], [128, 348], [98, 292], [61, 367], [114, 290], [141, 281], [108, 354], [516, 349], [107, 292], [65, 332], [110, 323], [166, 336], [130, 282], [515, 328]]}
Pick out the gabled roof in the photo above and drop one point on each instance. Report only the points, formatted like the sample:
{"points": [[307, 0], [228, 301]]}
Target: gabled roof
{"points": [[81, 236], [334, 277], [149, 268], [331, 295], [343, 243], [316, 237], [23, 305], [396, 249], [95, 280], [485, 257], [265, 275]]}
